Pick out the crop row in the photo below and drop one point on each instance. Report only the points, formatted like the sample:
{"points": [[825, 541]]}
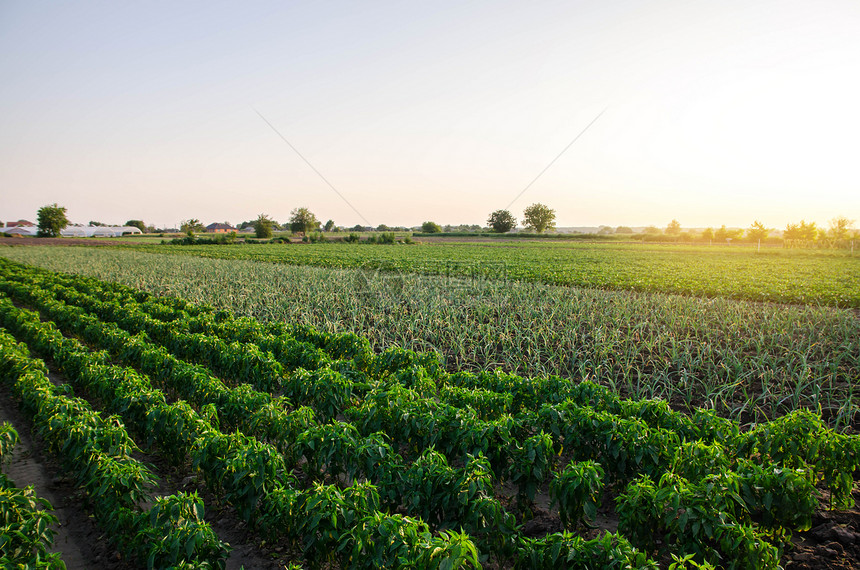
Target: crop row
{"points": [[97, 453], [25, 519]]}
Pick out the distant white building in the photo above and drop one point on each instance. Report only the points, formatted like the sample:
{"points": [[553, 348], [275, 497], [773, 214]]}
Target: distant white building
{"points": [[99, 231], [26, 231], [74, 231]]}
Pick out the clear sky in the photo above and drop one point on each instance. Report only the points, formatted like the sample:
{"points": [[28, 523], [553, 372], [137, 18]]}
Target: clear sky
{"points": [[717, 112]]}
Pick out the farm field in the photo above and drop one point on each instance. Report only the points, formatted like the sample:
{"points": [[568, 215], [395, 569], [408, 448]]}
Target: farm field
{"points": [[750, 361], [353, 457], [824, 277]]}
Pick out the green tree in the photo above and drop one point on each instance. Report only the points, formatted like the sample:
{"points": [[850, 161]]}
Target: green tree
{"points": [[431, 228], [674, 228], [303, 220], [803, 231], [539, 218], [137, 224], [263, 226], [624, 230], [94, 224], [191, 226], [51, 220], [501, 221], [724, 234], [707, 234], [757, 231], [329, 226], [792, 231], [840, 227], [652, 230]]}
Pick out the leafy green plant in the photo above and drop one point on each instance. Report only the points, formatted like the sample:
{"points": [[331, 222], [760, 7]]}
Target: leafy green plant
{"points": [[577, 491], [173, 531], [25, 529], [566, 550]]}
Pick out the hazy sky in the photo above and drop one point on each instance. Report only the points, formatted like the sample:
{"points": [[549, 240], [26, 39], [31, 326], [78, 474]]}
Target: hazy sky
{"points": [[717, 112]]}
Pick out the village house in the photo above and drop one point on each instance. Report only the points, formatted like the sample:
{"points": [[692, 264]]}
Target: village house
{"points": [[218, 228]]}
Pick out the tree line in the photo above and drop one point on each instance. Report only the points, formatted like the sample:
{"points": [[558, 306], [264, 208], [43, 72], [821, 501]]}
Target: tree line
{"points": [[52, 219]]}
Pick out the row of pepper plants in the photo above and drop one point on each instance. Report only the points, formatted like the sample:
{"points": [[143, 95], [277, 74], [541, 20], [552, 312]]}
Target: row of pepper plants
{"points": [[721, 495], [26, 521], [97, 453]]}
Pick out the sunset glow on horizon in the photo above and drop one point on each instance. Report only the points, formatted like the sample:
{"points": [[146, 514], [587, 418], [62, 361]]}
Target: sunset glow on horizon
{"points": [[715, 113]]}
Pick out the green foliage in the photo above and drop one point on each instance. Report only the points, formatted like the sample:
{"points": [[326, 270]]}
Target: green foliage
{"points": [[805, 231], [173, 531], [566, 550], [8, 440], [137, 224], [303, 220], [757, 232], [192, 226], [840, 227], [51, 220], [25, 529], [431, 228], [502, 221], [707, 520], [530, 464], [539, 217], [263, 226], [577, 491]]}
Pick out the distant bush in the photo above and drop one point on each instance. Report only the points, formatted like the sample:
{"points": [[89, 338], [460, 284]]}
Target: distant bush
{"points": [[219, 239]]}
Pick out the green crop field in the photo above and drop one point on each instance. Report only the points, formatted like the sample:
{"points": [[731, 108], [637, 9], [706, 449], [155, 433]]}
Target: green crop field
{"points": [[825, 277], [748, 360], [348, 456]]}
